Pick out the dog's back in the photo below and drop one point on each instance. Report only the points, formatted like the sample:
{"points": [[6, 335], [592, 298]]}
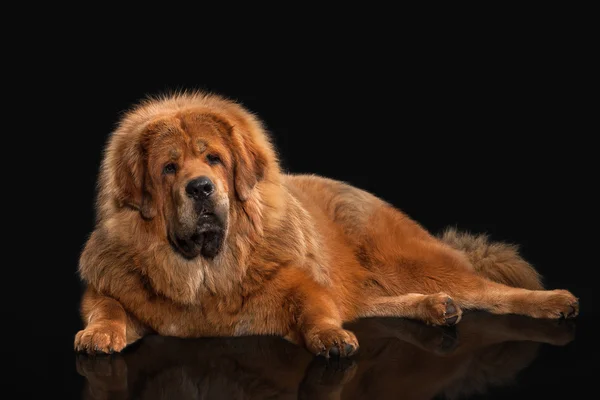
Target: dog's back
{"points": [[350, 208]]}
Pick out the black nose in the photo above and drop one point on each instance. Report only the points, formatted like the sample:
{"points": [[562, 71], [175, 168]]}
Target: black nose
{"points": [[200, 188]]}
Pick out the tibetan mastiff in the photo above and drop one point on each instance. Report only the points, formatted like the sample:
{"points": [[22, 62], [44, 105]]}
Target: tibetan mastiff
{"points": [[200, 233]]}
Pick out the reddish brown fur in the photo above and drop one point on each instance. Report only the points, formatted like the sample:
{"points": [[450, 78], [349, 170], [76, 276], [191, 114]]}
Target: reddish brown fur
{"points": [[303, 254]]}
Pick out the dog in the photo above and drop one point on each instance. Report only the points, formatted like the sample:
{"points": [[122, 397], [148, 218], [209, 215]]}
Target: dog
{"points": [[200, 233]]}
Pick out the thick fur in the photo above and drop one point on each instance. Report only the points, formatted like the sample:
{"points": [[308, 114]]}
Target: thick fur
{"points": [[499, 262], [301, 254]]}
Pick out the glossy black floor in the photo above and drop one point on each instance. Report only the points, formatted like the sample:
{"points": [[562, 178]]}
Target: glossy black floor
{"points": [[484, 356]]}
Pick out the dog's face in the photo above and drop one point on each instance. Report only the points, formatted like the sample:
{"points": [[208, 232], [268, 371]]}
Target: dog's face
{"points": [[186, 177], [189, 166], [190, 172]]}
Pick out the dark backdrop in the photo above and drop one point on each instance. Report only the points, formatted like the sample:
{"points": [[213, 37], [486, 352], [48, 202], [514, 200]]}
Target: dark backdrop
{"points": [[489, 138], [497, 150]]}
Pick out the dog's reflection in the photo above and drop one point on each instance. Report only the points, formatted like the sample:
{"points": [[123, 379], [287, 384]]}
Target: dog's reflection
{"points": [[397, 358]]}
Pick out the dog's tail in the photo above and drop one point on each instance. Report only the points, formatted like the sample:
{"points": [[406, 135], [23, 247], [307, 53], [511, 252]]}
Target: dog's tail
{"points": [[499, 262]]}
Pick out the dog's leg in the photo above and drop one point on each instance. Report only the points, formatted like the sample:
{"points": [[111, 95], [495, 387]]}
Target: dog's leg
{"points": [[497, 298], [320, 326], [108, 328], [434, 309]]}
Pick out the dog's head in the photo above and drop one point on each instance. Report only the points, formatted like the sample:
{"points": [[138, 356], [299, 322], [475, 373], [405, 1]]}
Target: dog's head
{"points": [[183, 162]]}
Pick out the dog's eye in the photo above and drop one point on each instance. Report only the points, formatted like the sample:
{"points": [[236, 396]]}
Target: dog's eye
{"points": [[213, 159], [170, 169]]}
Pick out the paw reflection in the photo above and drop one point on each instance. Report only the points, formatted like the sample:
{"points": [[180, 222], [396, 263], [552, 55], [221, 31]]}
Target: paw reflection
{"points": [[396, 357]]}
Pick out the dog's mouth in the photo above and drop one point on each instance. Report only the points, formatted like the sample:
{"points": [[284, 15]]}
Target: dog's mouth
{"points": [[207, 239]]}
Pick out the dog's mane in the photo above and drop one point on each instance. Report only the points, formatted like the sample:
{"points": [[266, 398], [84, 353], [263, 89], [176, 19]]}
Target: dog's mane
{"points": [[265, 214]]}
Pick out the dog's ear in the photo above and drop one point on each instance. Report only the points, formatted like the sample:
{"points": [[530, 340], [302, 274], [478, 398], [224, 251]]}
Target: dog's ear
{"points": [[133, 182], [250, 164]]}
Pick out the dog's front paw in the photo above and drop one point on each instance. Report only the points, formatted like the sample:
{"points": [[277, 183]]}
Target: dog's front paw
{"points": [[100, 338], [331, 341]]}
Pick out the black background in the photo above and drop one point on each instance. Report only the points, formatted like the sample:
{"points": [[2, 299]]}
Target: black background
{"points": [[489, 134]]}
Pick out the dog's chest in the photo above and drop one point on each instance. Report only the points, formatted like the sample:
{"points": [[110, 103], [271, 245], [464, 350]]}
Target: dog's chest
{"points": [[207, 322], [230, 316], [215, 317]]}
